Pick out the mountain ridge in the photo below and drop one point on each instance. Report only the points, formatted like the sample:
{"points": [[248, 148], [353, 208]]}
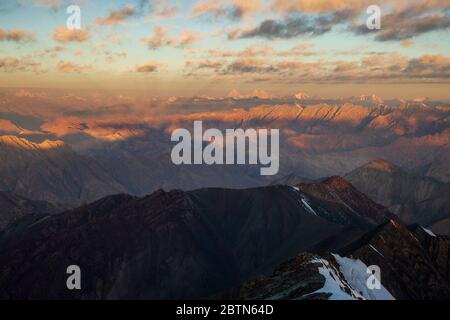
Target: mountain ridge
{"points": [[209, 238]]}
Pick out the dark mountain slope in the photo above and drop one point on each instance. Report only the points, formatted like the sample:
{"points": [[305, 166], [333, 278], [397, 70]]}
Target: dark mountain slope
{"points": [[414, 262], [413, 198], [414, 265], [52, 171], [178, 244], [14, 207]]}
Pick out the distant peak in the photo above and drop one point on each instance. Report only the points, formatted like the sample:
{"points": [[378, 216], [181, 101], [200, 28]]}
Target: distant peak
{"points": [[369, 98], [337, 182], [381, 165], [26, 144], [51, 144], [301, 96], [13, 140]]}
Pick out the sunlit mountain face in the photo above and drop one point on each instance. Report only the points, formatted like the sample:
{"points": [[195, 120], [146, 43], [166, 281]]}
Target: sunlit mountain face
{"points": [[91, 93]]}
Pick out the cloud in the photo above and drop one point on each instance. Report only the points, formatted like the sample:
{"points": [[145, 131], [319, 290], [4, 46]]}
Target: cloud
{"points": [[69, 67], [51, 4], [117, 16], [10, 64], [293, 26], [250, 66], [401, 19], [392, 67], [187, 38], [16, 35], [63, 34], [148, 67], [318, 6], [160, 38], [407, 43], [234, 9], [55, 49], [304, 49], [164, 9], [429, 66], [406, 25]]}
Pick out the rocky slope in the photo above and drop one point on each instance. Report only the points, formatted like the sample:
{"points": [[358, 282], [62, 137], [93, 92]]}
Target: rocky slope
{"points": [[413, 198], [312, 277], [51, 171], [14, 208], [180, 244], [413, 262]]}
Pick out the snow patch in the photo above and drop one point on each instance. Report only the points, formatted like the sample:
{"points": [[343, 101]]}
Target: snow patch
{"points": [[306, 204], [333, 283], [355, 273], [429, 232], [375, 249], [304, 201]]}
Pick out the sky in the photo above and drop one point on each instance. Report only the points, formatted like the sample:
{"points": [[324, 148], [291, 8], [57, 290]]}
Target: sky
{"points": [[210, 48]]}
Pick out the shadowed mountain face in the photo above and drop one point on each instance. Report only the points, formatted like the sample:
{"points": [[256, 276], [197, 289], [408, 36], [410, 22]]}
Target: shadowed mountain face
{"points": [[14, 208], [415, 262], [180, 244], [413, 198], [51, 171]]}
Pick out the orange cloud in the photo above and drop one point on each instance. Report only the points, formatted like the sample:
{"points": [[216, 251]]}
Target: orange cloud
{"points": [[51, 4], [68, 67], [151, 66], [16, 35], [233, 9], [318, 6], [62, 34], [11, 64], [160, 38], [117, 16]]}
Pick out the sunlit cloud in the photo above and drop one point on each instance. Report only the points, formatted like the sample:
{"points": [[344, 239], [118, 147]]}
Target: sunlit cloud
{"points": [[63, 34], [16, 35], [117, 16], [51, 4], [234, 9], [69, 67], [11, 64], [148, 67], [161, 38]]}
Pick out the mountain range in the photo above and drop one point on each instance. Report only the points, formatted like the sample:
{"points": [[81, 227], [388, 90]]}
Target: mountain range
{"points": [[100, 182], [411, 259], [208, 242], [414, 198], [52, 171], [110, 154], [180, 244]]}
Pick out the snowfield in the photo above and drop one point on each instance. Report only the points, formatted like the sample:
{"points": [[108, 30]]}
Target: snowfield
{"points": [[353, 285], [355, 273]]}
